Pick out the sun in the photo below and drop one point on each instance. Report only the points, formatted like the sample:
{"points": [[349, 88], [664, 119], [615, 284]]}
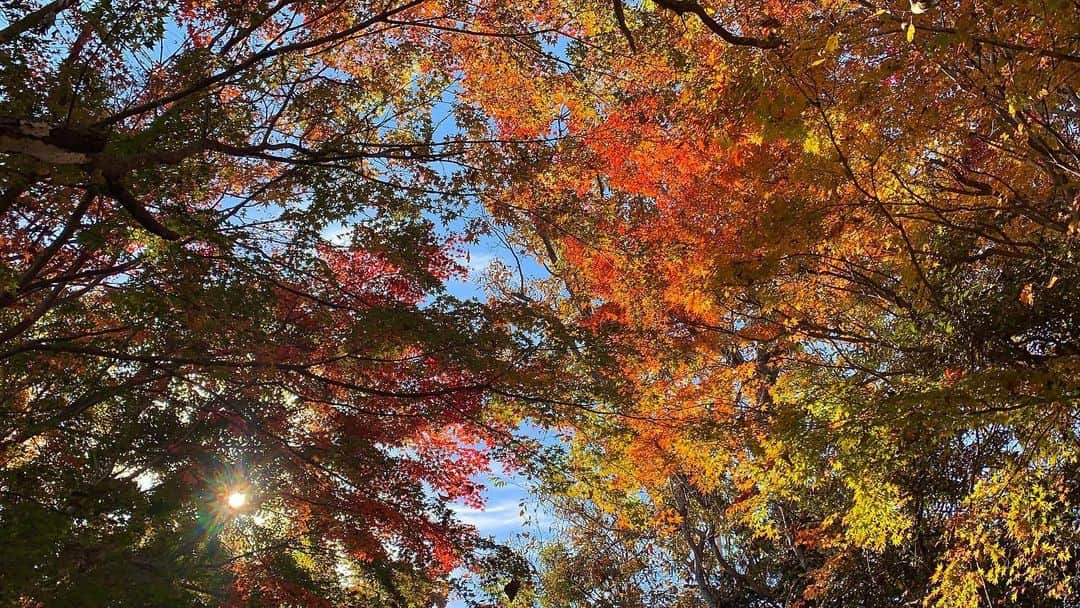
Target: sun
{"points": [[236, 500]]}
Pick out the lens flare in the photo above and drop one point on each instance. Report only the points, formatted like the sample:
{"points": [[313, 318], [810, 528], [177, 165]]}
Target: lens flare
{"points": [[236, 500]]}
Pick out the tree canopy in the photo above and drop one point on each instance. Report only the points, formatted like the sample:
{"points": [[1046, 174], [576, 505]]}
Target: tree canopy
{"points": [[222, 293], [831, 246], [808, 321]]}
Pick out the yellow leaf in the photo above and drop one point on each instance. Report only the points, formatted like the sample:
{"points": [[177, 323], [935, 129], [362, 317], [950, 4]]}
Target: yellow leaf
{"points": [[910, 32], [832, 43]]}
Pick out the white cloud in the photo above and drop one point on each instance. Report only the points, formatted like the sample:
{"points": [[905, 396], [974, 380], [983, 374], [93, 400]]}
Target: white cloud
{"points": [[477, 263], [498, 517]]}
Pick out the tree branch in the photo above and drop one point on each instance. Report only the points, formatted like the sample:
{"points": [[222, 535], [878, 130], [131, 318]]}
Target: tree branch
{"points": [[116, 190], [681, 7], [41, 20], [620, 19]]}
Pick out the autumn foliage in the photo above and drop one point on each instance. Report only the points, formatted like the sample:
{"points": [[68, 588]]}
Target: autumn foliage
{"points": [[809, 322], [831, 247], [223, 268]]}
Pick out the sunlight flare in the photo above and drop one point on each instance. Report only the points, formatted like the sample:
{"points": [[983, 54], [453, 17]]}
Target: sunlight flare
{"points": [[236, 500]]}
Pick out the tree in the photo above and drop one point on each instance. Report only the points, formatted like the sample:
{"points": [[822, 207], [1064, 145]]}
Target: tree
{"points": [[230, 372], [832, 250]]}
